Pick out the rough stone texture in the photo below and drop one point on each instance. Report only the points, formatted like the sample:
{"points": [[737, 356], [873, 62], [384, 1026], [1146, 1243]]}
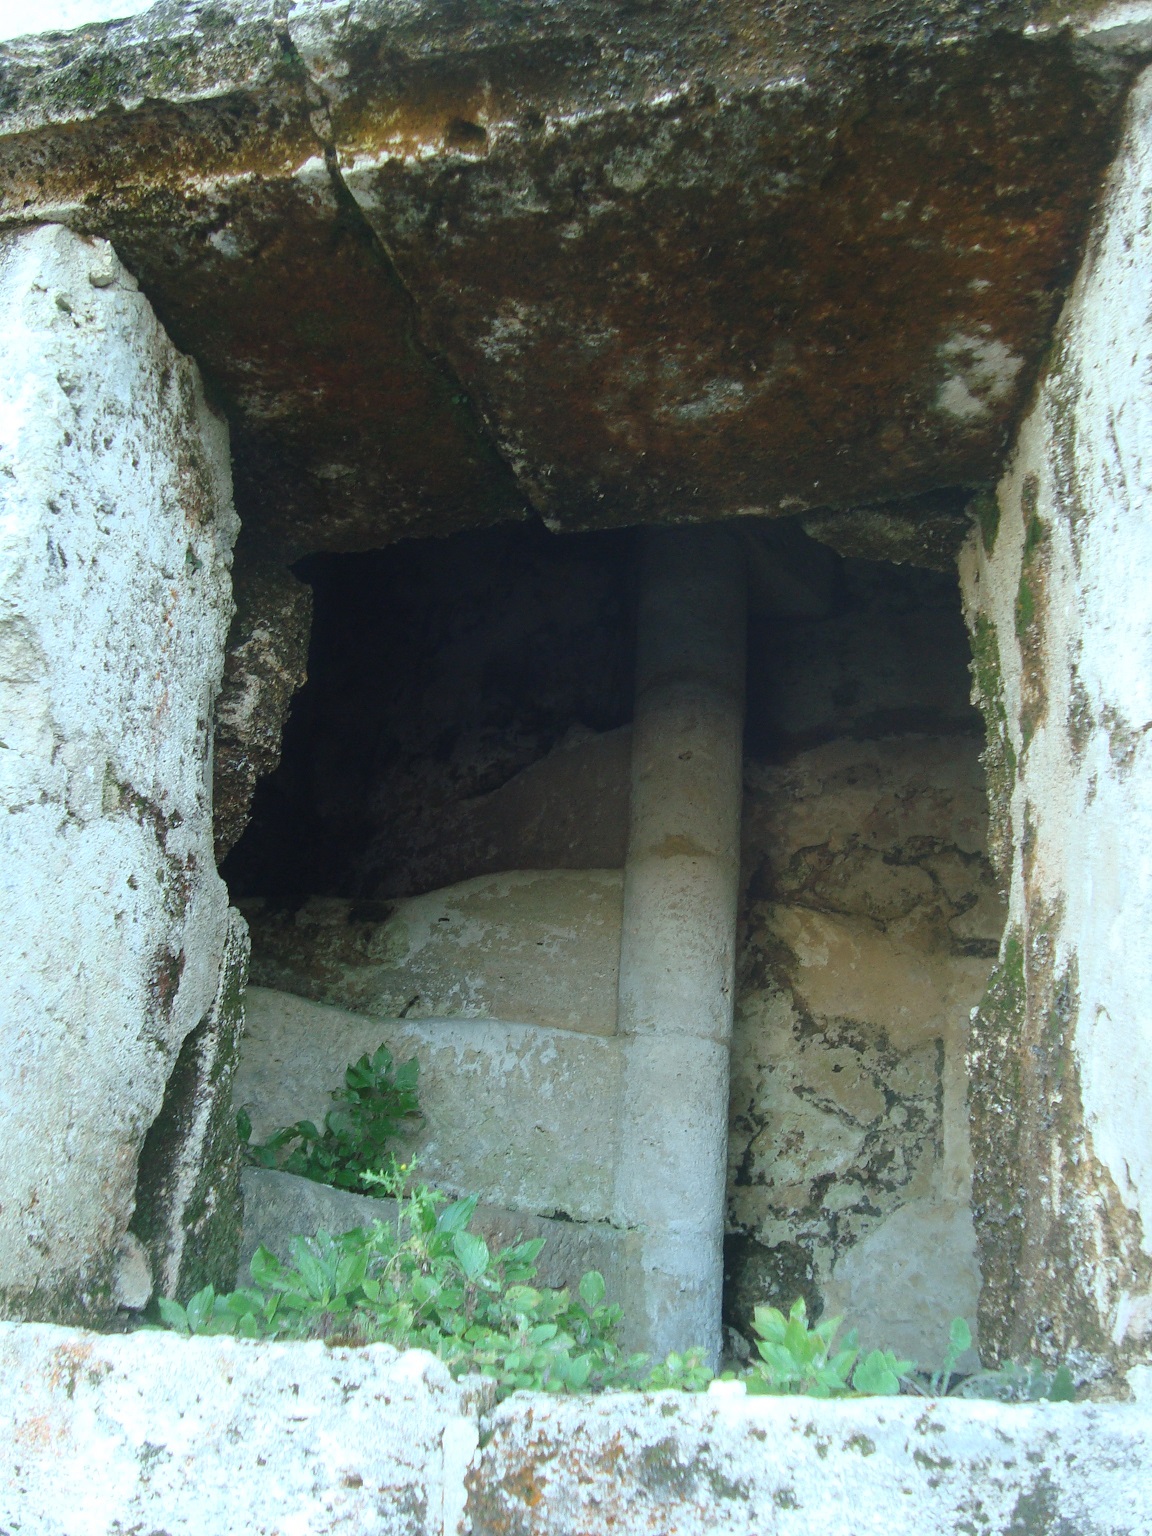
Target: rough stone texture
{"points": [[203, 1437], [586, 204], [923, 530], [209, 1437], [741, 1466], [188, 1208], [528, 946], [192, 138], [1057, 585], [114, 604], [523, 1115], [666, 265], [265, 663], [200, 1437], [870, 919], [279, 1206]]}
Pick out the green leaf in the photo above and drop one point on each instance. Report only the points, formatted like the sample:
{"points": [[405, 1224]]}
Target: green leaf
{"points": [[457, 1216], [244, 1126], [959, 1336], [173, 1314], [199, 1309], [1063, 1388], [472, 1251], [592, 1289], [879, 1373]]}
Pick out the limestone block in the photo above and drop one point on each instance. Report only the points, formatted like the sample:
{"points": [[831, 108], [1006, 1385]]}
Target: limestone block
{"points": [[524, 1116], [266, 662], [734, 1466], [115, 545], [903, 1283], [871, 917], [279, 1206], [213, 1437], [1058, 586], [218, 1437], [535, 946], [188, 1207]]}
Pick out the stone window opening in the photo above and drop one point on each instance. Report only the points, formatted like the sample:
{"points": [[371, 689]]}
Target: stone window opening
{"points": [[441, 849]]}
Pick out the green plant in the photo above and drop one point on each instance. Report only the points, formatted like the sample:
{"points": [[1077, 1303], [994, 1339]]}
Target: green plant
{"points": [[425, 1280], [939, 1383], [796, 1358], [1012, 1383], [374, 1106]]}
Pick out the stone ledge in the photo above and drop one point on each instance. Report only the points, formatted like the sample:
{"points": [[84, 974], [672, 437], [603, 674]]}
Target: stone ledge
{"points": [[278, 1206], [209, 1437]]}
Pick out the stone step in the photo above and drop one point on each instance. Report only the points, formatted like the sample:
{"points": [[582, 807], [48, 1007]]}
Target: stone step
{"points": [[523, 1115], [278, 1206], [536, 946]]}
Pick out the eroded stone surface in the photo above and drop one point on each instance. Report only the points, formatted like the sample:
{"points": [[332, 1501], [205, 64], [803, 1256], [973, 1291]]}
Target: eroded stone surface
{"points": [[207, 1436], [871, 921], [188, 1206], [114, 603], [664, 266], [265, 663], [528, 946], [523, 1115], [738, 1466], [1057, 582]]}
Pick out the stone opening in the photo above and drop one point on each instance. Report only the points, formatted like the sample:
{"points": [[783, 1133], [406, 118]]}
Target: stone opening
{"points": [[444, 837]]}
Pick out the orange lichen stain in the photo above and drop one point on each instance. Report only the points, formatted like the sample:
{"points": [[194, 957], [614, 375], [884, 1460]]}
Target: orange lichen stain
{"points": [[69, 1363], [37, 1433], [525, 1485]]}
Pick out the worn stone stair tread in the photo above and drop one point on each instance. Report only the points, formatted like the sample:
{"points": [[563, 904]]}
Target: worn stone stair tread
{"points": [[523, 1115], [278, 1206], [537, 945]]}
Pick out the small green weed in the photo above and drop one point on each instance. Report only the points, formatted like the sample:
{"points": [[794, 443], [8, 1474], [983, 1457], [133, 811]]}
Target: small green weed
{"points": [[795, 1359], [375, 1105]]}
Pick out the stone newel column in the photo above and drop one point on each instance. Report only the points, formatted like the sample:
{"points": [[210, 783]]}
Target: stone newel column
{"points": [[678, 942]]}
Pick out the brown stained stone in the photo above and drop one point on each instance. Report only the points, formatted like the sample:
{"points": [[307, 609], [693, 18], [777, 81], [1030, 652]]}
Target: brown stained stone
{"points": [[764, 299], [345, 433], [667, 262]]}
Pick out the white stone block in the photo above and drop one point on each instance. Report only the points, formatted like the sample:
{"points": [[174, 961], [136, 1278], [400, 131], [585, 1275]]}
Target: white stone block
{"points": [[116, 527]]}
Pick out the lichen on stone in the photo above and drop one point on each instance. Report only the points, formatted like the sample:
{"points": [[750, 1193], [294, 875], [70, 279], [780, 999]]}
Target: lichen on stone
{"points": [[999, 755]]}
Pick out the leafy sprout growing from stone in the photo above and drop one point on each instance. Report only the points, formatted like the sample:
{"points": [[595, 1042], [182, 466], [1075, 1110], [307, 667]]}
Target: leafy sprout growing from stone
{"points": [[377, 1103]]}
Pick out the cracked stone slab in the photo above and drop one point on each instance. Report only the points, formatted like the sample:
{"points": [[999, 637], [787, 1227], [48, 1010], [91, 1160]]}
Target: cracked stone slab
{"points": [[441, 265]]}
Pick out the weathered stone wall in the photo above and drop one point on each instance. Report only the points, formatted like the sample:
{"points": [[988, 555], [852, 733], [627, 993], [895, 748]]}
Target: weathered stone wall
{"points": [[870, 919], [264, 664], [212, 1436], [1060, 607], [623, 265], [115, 544]]}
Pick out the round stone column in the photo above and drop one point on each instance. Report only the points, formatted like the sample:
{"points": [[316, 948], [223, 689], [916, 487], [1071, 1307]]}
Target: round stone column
{"points": [[679, 933]]}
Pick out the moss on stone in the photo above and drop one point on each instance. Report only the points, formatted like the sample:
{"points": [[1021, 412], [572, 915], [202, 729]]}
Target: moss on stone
{"points": [[999, 756], [995, 1091], [985, 508]]}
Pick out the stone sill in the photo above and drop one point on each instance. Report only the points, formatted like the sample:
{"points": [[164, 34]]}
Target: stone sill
{"points": [[206, 1437]]}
